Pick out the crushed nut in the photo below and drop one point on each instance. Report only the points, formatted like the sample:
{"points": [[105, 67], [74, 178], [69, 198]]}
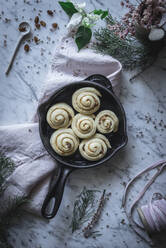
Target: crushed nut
{"points": [[50, 12], [54, 25], [26, 48], [37, 25], [43, 23], [36, 39], [36, 19]]}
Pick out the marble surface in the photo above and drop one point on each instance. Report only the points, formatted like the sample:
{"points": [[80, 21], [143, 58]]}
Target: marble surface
{"points": [[144, 100]]}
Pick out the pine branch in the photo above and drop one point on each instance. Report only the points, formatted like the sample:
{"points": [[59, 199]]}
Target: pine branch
{"points": [[129, 50], [82, 208], [11, 208], [6, 168], [9, 211], [88, 229]]}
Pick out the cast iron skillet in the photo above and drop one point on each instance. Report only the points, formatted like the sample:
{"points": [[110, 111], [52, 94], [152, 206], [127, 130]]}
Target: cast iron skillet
{"points": [[75, 161]]}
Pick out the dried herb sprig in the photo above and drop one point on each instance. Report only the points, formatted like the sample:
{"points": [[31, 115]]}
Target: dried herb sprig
{"points": [[147, 13], [6, 168], [11, 210], [83, 208], [128, 50], [88, 229]]}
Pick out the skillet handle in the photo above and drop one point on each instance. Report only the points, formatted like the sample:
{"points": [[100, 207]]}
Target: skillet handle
{"points": [[102, 80], [54, 196]]}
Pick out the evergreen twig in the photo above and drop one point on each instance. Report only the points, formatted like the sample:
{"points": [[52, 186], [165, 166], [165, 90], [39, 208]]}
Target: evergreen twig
{"points": [[83, 208], [10, 209], [88, 229], [6, 168], [129, 51]]}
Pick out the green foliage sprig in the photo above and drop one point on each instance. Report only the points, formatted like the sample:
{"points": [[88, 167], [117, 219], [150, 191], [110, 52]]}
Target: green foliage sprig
{"points": [[83, 208], [130, 51], [82, 21], [11, 208], [6, 168]]}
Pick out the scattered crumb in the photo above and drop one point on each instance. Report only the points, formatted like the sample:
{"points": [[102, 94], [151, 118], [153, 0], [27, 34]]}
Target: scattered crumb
{"points": [[54, 25], [37, 25], [7, 20], [36, 39], [43, 23], [124, 184], [26, 48], [122, 221], [36, 19], [50, 12], [5, 43]]}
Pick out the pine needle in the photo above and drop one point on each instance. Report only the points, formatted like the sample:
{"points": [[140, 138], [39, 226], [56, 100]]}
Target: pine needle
{"points": [[129, 51], [9, 211], [83, 208], [11, 208], [6, 168]]}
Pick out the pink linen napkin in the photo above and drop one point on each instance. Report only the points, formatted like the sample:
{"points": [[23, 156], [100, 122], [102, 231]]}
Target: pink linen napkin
{"points": [[22, 142]]}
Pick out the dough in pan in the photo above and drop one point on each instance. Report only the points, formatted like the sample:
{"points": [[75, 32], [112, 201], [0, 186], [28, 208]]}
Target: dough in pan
{"points": [[83, 126], [64, 141], [107, 122], [60, 116], [86, 100], [95, 148]]}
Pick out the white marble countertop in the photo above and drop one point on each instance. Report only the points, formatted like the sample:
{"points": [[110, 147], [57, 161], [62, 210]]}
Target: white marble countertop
{"points": [[143, 98]]}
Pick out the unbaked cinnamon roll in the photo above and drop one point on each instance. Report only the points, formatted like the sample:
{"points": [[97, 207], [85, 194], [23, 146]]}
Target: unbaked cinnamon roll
{"points": [[107, 122], [60, 115], [86, 100], [94, 148], [64, 142], [83, 126]]}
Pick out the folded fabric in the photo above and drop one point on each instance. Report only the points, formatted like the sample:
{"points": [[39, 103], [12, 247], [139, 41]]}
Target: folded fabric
{"points": [[22, 142]]}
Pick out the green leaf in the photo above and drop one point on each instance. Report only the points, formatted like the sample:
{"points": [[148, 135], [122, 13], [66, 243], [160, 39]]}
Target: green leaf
{"points": [[68, 7], [105, 13], [83, 37], [101, 12]]}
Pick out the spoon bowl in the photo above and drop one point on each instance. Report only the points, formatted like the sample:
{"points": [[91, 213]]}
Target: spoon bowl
{"points": [[24, 28]]}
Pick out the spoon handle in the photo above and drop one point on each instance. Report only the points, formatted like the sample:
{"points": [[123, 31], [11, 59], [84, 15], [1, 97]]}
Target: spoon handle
{"points": [[14, 54]]}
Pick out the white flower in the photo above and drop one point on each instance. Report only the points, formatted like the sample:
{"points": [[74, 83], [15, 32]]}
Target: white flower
{"points": [[74, 21], [90, 20], [86, 22], [93, 18]]}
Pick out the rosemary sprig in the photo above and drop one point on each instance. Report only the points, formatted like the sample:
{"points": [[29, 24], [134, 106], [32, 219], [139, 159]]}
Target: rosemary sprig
{"points": [[8, 212], [88, 229], [6, 168], [83, 208], [10, 209]]}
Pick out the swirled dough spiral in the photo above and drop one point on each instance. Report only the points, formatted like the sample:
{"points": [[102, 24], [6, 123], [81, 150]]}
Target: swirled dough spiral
{"points": [[60, 115], [106, 121], [83, 126], [94, 148], [86, 100], [64, 141]]}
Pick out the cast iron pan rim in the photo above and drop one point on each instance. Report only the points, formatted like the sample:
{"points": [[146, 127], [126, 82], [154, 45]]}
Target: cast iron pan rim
{"points": [[53, 154]]}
